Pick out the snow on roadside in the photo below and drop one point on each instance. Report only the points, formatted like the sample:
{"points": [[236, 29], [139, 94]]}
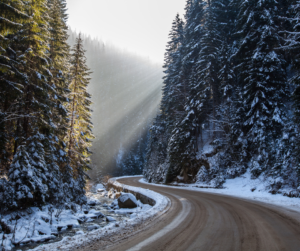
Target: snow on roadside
{"points": [[242, 187], [38, 224], [137, 217]]}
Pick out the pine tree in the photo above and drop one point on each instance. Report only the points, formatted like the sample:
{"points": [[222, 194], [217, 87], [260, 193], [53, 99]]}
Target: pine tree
{"points": [[292, 38], [235, 157], [7, 196], [13, 18], [42, 179], [156, 163], [59, 59], [22, 177], [30, 175], [171, 103], [172, 95], [203, 42], [181, 145], [34, 115], [53, 157], [263, 78], [208, 65], [228, 113], [80, 128], [35, 105], [59, 55], [234, 65]]}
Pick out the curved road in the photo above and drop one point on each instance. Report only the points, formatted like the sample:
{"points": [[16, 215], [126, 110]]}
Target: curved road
{"points": [[204, 221]]}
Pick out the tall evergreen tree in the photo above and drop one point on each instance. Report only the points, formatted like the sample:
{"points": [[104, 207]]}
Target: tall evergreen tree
{"points": [[80, 129], [238, 66], [172, 100], [229, 93], [35, 73], [183, 139], [35, 103], [172, 93], [204, 37], [292, 39], [13, 17], [263, 79], [59, 55]]}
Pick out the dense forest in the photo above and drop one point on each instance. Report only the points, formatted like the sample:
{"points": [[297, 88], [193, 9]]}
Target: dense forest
{"points": [[230, 96], [47, 72], [126, 90], [45, 109]]}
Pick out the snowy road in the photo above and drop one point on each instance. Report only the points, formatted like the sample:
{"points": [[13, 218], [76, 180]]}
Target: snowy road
{"points": [[206, 221]]}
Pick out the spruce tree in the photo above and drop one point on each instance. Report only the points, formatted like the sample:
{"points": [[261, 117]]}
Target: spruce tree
{"points": [[59, 56], [156, 165], [171, 94], [29, 174], [171, 104], [35, 102], [203, 42], [227, 118], [23, 178], [34, 116], [263, 79], [80, 127], [13, 17], [182, 139], [35, 105], [292, 38], [208, 63], [59, 59]]}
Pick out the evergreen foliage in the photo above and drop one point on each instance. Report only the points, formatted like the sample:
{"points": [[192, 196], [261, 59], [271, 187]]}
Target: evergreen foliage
{"points": [[263, 79], [34, 118], [80, 128], [237, 71], [126, 95]]}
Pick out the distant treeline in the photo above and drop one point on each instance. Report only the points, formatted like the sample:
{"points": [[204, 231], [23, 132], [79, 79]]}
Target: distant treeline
{"points": [[126, 92]]}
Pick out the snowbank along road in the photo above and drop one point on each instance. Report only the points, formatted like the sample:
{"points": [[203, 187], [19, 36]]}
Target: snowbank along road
{"points": [[205, 221]]}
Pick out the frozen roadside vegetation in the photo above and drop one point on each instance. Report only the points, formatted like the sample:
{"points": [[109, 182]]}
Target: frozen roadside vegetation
{"points": [[242, 187], [133, 217], [37, 225], [25, 229], [29, 228]]}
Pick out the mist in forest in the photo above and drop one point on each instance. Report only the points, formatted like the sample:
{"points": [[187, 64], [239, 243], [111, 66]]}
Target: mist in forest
{"points": [[126, 92]]}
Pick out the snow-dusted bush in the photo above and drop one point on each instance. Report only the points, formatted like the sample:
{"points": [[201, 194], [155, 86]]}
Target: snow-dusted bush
{"points": [[7, 195]]}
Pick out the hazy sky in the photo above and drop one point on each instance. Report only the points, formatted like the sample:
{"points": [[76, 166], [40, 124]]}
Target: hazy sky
{"points": [[139, 25]]}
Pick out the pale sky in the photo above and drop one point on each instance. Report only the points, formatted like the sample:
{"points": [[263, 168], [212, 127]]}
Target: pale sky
{"points": [[141, 26]]}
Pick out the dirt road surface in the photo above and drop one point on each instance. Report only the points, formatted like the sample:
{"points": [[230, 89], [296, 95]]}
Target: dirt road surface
{"points": [[204, 222]]}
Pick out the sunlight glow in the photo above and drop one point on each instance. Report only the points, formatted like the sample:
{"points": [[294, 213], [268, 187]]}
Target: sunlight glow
{"points": [[141, 26]]}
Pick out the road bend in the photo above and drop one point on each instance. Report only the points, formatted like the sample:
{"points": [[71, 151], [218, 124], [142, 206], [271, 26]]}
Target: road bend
{"points": [[202, 221]]}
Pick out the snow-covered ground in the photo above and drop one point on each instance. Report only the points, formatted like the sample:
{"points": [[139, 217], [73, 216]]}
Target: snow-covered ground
{"points": [[34, 224], [38, 221], [242, 187], [39, 224], [25, 228]]}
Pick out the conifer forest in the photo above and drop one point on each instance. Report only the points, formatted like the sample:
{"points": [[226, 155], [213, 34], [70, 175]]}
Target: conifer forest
{"points": [[231, 96], [126, 93], [46, 128], [229, 103], [105, 145], [47, 112]]}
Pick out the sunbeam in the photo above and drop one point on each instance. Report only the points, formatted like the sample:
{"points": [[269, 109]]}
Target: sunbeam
{"points": [[126, 92]]}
